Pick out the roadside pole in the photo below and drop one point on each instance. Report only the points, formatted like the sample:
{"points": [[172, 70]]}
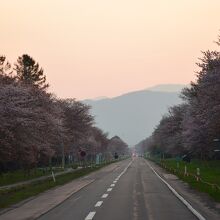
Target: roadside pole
{"points": [[198, 174], [185, 170], [54, 179]]}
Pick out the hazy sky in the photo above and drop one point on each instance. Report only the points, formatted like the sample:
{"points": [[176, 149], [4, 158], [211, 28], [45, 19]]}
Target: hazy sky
{"points": [[91, 48]]}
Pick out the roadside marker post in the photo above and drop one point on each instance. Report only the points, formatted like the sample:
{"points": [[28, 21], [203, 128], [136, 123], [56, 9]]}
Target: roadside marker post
{"points": [[185, 170], [198, 174], [54, 179]]}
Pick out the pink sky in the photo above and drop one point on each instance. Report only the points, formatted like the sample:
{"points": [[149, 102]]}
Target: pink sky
{"points": [[91, 48]]}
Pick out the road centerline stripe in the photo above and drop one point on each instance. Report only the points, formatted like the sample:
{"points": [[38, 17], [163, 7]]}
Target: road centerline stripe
{"points": [[104, 195], [90, 216], [98, 204]]}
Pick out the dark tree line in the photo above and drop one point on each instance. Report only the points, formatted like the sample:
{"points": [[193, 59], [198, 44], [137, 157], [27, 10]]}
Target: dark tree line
{"points": [[37, 127], [192, 126]]}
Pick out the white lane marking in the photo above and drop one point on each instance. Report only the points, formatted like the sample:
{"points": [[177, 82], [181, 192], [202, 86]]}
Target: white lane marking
{"points": [[98, 204], [112, 185], [123, 172], [104, 196], [109, 189], [115, 181], [90, 216], [187, 204], [125, 169]]}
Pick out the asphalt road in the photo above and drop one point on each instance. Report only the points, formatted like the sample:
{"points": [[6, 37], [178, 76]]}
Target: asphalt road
{"points": [[129, 192]]}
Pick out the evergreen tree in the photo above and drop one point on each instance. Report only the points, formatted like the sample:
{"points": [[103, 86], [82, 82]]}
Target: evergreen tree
{"points": [[6, 73], [29, 72]]}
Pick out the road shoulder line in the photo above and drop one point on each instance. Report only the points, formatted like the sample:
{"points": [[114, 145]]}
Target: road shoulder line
{"points": [[48, 200], [187, 204]]}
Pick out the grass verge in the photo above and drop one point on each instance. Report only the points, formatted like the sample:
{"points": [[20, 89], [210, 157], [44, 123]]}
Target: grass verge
{"points": [[209, 176], [21, 175], [15, 195]]}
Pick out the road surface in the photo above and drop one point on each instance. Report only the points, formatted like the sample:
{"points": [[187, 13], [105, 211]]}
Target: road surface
{"points": [[129, 192]]}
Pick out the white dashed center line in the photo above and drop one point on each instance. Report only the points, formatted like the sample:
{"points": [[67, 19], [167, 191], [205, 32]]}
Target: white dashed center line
{"points": [[90, 216], [104, 196], [98, 204]]}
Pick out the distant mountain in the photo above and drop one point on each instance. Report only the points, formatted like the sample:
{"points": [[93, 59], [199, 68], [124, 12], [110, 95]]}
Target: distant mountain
{"points": [[132, 116], [167, 88], [100, 98]]}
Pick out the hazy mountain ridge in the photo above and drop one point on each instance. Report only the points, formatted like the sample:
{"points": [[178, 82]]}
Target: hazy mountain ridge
{"points": [[133, 115], [167, 88], [157, 88]]}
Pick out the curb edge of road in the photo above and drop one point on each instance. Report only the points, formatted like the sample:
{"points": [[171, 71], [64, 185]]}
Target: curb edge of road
{"points": [[23, 202], [70, 195], [184, 201], [44, 213], [40, 214]]}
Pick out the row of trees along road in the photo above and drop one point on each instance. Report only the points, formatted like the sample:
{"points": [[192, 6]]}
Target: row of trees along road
{"points": [[37, 127], [192, 126]]}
